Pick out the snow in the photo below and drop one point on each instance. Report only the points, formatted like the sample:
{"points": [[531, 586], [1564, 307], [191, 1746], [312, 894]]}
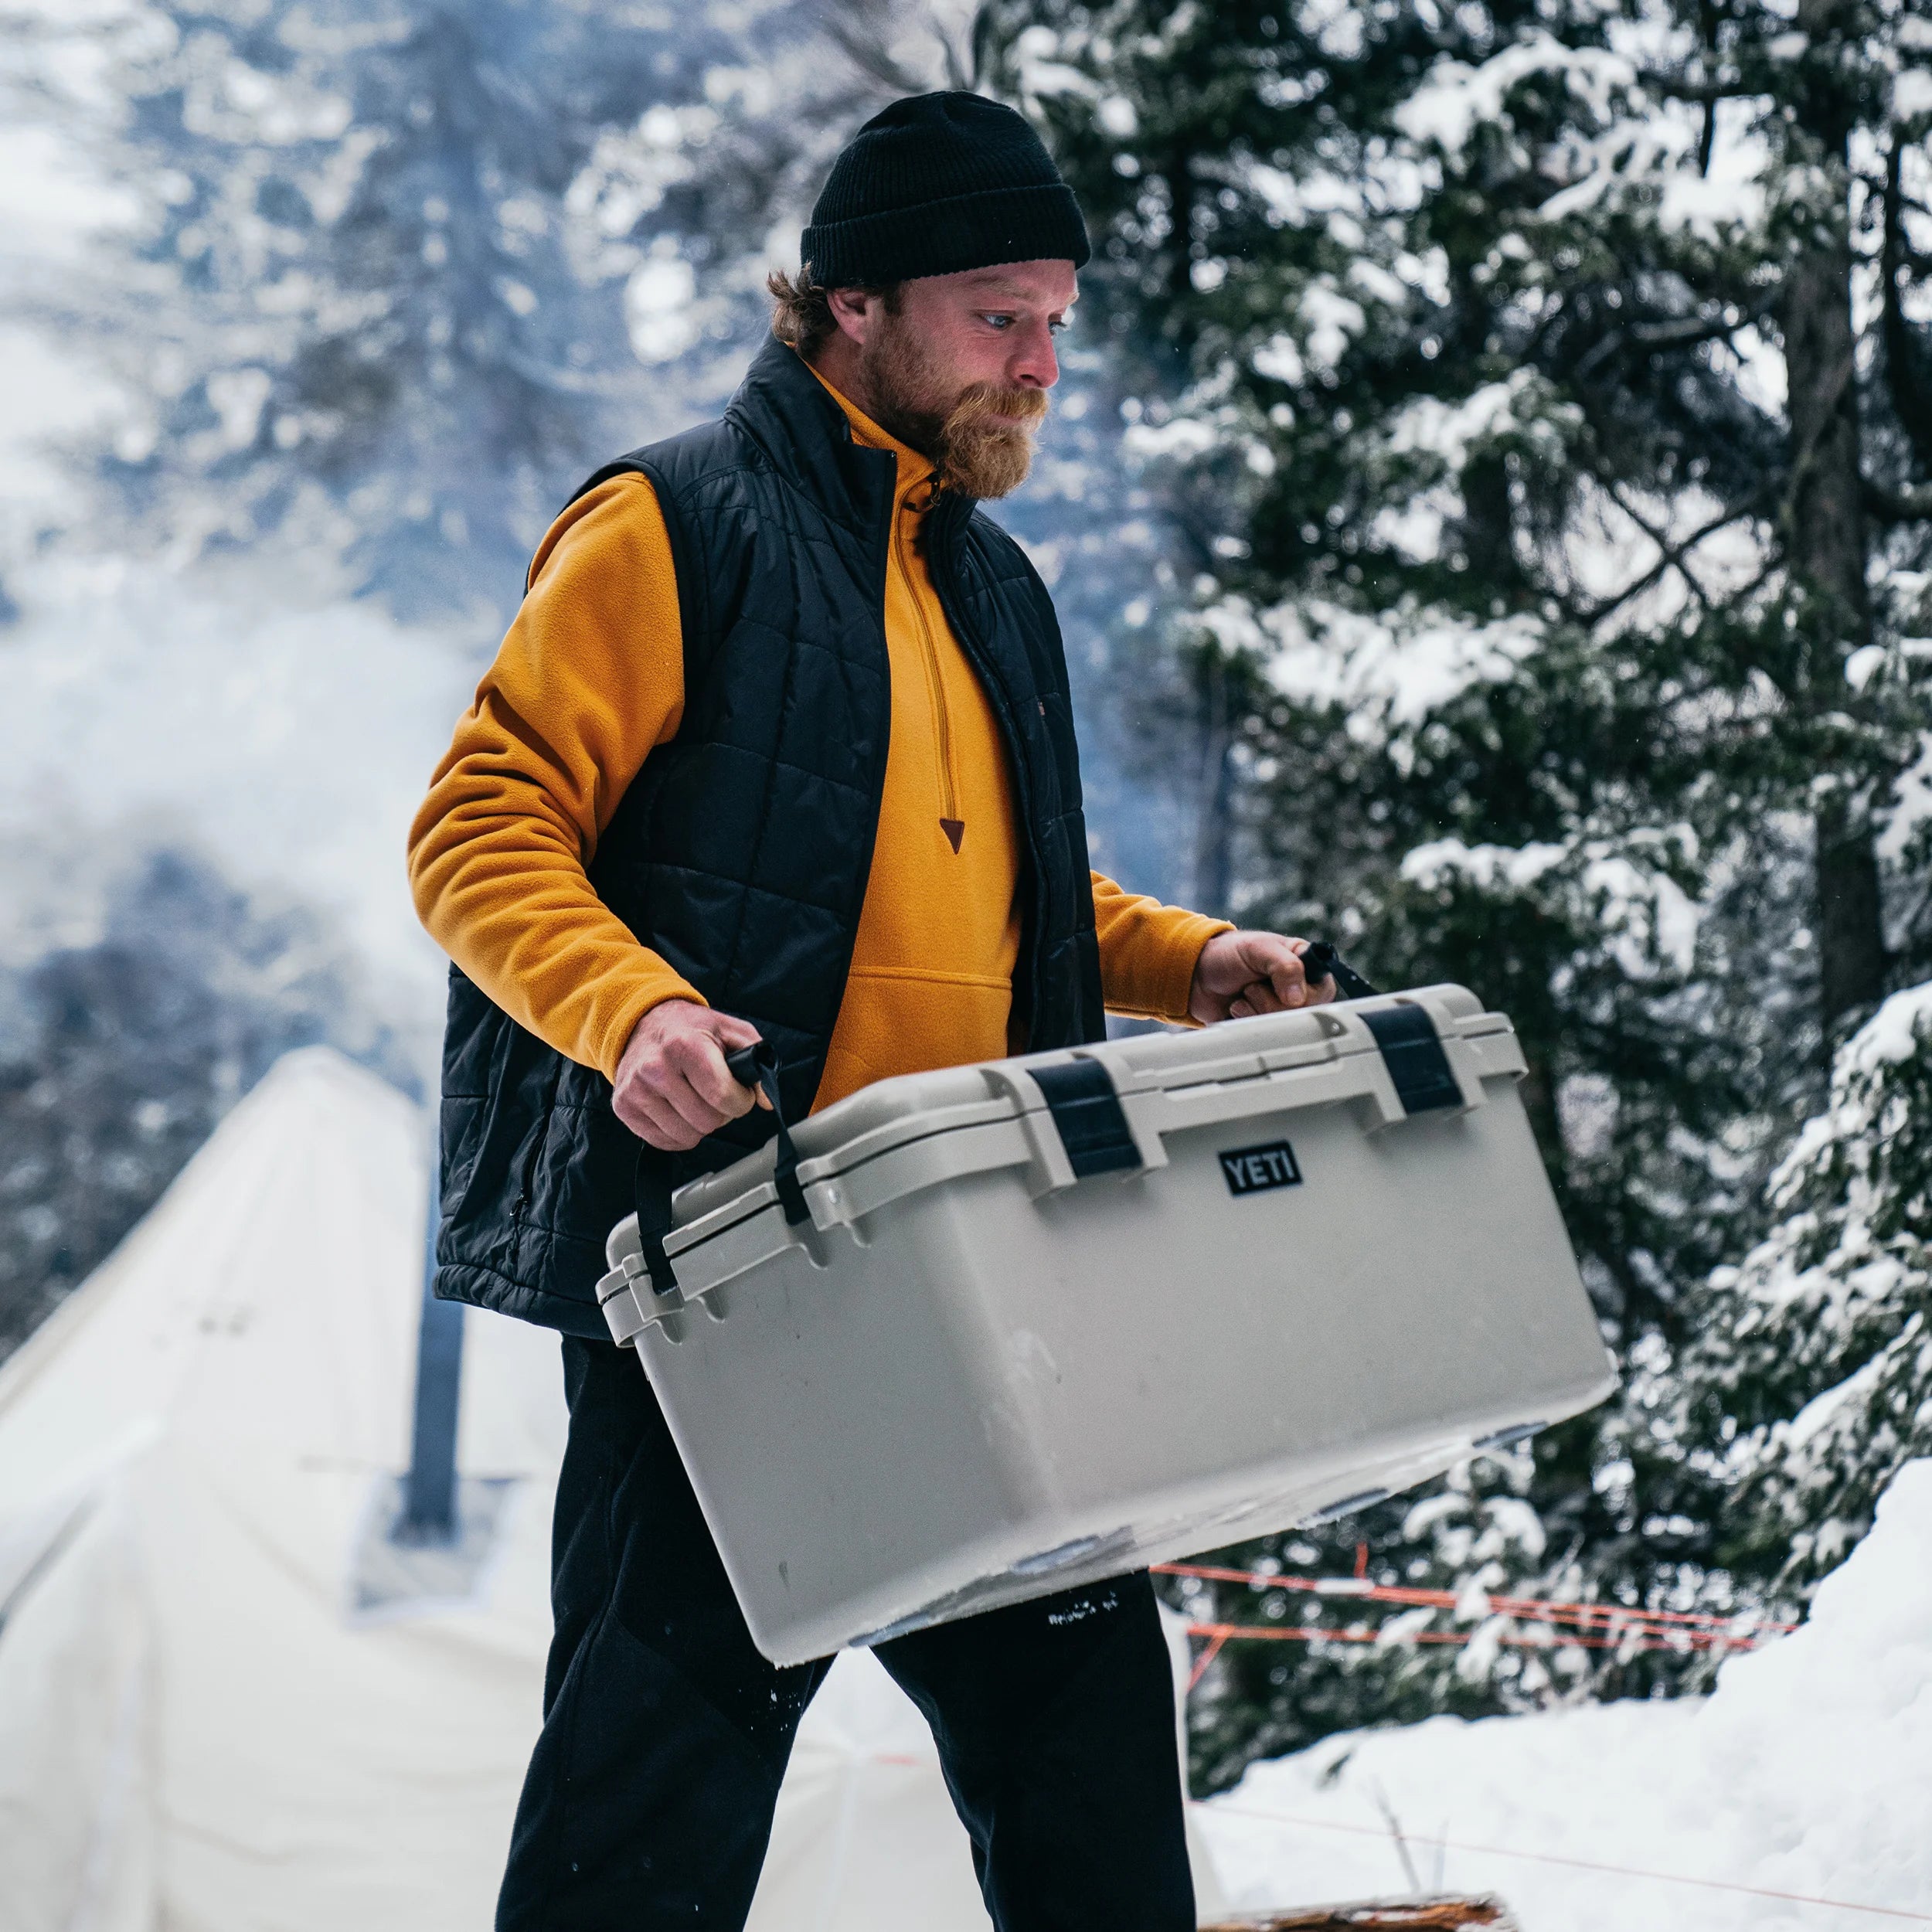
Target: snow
{"points": [[1332, 319], [658, 302], [1278, 358], [1182, 437], [1893, 1035], [52, 204], [1864, 664], [1641, 907], [1912, 94], [1856, 1388], [1912, 809], [241, 712], [47, 398], [1448, 107], [1410, 663], [1838, 1291], [1448, 430], [1040, 74], [1707, 207], [1807, 1772], [1443, 861]]}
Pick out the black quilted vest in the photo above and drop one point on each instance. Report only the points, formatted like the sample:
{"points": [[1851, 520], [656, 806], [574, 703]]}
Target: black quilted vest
{"points": [[741, 852]]}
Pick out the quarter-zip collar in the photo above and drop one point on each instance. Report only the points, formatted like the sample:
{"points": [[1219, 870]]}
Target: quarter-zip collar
{"points": [[917, 483]]}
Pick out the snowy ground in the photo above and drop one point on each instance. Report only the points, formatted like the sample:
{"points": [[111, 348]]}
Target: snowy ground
{"points": [[1806, 1777]]}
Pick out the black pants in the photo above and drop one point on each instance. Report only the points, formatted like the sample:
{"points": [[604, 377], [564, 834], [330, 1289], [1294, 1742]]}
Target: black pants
{"points": [[649, 1798]]}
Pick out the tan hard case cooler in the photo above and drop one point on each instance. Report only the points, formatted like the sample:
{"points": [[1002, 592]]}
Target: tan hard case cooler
{"points": [[1045, 1320]]}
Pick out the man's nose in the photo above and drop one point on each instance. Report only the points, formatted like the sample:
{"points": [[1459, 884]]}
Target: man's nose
{"points": [[1033, 363]]}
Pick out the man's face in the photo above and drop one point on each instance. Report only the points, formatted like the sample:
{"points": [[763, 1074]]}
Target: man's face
{"points": [[959, 366]]}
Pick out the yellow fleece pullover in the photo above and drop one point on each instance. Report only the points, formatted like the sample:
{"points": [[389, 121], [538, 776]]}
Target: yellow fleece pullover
{"points": [[589, 680]]}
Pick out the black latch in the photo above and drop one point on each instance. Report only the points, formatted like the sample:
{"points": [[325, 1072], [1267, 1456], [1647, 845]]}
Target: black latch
{"points": [[1086, 1114], [1412, 1053]]}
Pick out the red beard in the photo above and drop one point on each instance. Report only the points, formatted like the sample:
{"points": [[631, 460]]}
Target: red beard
{"points": [[980, 439]]}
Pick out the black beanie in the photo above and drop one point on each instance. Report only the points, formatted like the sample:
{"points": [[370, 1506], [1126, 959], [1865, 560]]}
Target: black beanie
{"points": [[937, 184]]}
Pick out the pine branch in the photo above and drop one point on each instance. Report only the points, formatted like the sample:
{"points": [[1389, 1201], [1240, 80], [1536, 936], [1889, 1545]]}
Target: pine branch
{"points": [[1673, 554], [1690, 331], [1657, 536], [1911, 505], [862, 41], [1681, 88], [1684, 333]]}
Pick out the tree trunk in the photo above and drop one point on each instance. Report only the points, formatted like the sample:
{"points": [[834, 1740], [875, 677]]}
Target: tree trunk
{"points": [[1488, 529], [1851, 958], [1213, 881], [1827, 539]]}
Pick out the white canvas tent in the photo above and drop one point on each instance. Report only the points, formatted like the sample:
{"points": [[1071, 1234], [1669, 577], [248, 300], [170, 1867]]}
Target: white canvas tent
{"points": [[203, 1726]]}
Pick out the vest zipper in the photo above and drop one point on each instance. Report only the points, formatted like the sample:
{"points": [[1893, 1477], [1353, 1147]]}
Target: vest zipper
{"points": [[949, 822]]}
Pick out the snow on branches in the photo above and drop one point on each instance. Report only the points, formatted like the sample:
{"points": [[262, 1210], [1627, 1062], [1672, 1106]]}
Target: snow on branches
{"points": [[1819, 1345]]}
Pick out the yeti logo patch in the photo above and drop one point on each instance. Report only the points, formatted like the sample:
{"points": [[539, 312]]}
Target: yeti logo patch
{"points": [[1252, 1170]]}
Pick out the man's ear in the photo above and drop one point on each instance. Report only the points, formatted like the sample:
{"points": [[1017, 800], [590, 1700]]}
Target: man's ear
{"points": [[854, 310]]}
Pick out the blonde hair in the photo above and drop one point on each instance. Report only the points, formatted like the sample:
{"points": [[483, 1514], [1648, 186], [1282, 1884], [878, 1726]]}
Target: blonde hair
{"points": [[801, 314]]}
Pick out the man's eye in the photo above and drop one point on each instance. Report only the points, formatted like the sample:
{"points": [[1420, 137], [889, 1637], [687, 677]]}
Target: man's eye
{"points": [[999, 321], [1058, 325]]}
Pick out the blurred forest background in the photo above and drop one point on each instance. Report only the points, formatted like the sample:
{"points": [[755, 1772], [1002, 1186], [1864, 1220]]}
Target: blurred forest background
{"points": [[1489, 505]]}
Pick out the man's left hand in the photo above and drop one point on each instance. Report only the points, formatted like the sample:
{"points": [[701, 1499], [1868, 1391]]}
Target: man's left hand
{"points": [[1242, 972]]}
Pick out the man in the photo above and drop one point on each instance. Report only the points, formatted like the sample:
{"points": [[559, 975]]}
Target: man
{"points": [[780, 746]]}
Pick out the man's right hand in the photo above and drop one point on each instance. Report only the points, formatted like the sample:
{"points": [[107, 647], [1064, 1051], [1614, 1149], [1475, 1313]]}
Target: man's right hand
{"points": [[672, 1086]]}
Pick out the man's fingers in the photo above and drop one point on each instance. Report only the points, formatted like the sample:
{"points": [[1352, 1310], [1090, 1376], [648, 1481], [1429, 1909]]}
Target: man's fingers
{"points": [[669, 1138], [700, 1058], [1287, 979], [678, 1096], [659, 1126], [673, 1109], [1259, 997], [1241, 974], [672, 1087], [732, 1033], [1320, 991]]}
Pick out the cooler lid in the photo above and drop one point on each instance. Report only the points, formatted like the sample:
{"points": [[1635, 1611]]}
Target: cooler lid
{"points": [[890, 1114]]}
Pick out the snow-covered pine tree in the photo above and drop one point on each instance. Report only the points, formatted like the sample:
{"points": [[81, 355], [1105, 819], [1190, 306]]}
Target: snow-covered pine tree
{"points": [[1465, 338], [406, 268], [1808, 1380]]}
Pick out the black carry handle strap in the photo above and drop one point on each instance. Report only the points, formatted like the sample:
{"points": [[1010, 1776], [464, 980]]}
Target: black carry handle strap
{"points": [[1321, 961], [755, 1065], [652, 1192]]}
